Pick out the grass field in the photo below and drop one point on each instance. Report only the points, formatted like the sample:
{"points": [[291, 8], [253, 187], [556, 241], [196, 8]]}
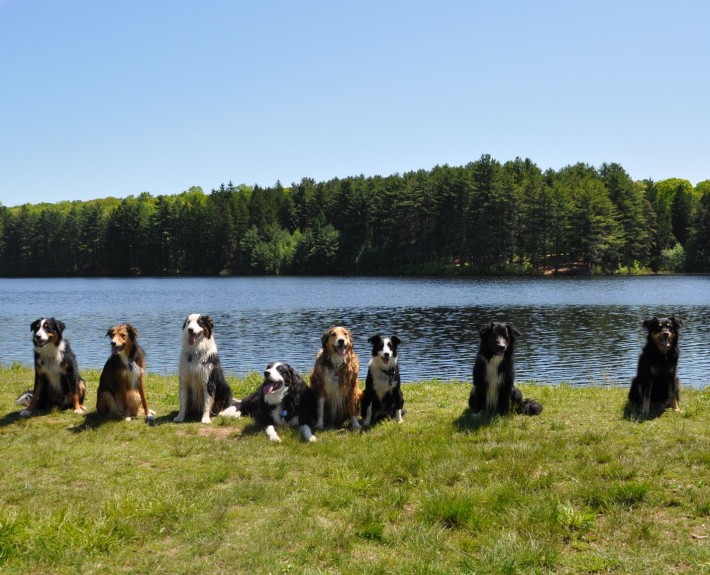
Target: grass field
{"points": [[580, 489]]}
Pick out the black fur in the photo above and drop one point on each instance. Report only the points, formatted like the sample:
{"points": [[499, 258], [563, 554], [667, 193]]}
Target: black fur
{"points": [[298, 405], [383, 387], [498, 346], [218, 387], [72, 387], [656, 381]]}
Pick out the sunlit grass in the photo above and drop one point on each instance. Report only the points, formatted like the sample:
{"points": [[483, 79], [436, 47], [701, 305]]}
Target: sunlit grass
{"points": [[580, 489]]}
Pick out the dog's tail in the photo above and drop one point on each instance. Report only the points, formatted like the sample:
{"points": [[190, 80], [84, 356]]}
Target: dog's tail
{"points": [[250, 404], [25, 399], [524, 406]]}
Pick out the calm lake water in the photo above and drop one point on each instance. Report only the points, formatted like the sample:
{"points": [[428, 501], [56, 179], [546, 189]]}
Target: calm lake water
{"points": [[580, 331]]}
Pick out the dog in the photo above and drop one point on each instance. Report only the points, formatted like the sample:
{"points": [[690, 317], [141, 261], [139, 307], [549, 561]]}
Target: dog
{"points": [[383, 391], [656, 380], [57, 379], [204, 390], [282, 399], [334, 379], [494, 391], [121, 390]]}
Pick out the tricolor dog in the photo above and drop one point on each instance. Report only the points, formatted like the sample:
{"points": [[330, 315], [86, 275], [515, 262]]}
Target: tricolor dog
{"points": [[282, 399], [204, 391], [57, 379], [383, 391], [121, 392]]}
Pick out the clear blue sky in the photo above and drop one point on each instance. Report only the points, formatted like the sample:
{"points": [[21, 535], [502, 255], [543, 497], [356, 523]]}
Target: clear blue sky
{"points": [[112, 98]]}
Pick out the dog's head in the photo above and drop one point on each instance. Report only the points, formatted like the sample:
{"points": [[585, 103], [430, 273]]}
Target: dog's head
{"points": [[384, 350], [337, 341], [497, 338], [123, 338], [46, 331], [197, 328], [663, 331], [278, 378]]}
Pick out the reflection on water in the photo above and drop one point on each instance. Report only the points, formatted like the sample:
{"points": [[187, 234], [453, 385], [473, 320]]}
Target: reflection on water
{"points": [[575, 331]]}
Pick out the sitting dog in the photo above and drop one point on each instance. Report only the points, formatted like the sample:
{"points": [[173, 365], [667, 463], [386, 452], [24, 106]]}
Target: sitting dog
{"points": [[656, 380], [383, 391], [121, 390], [57, 379], [282, 399], [494, 391], [334, 379], [204, 391]]}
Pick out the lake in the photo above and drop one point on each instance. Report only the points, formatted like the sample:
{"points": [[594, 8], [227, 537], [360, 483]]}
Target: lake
{"points": [[574, 330]]}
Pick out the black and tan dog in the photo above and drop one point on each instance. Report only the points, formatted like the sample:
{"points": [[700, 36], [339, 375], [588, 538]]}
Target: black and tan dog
{"points": [[656, 381], [57, 379], [494, 391], [121, 390]]}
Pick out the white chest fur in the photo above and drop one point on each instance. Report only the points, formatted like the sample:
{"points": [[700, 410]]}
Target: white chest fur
{"points": [[494, 377], [50, 358], [381, 381]]}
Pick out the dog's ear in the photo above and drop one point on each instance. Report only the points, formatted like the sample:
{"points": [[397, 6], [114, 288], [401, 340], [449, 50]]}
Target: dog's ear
{"points": [[59, 325], [374, 339], [35, 325], [650, 322], [395, 340], [485, 329], [110, 332], [132, 331], [512, 332], [184, 324], [677, 322], [208, 324], [325, 336], [293, 375]]}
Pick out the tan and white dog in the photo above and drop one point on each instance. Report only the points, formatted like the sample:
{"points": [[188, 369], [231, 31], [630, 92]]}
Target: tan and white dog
{"points": [[204, 391], [334, 380], [121, 390]]}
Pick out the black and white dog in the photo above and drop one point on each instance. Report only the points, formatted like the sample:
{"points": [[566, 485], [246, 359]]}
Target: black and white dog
{"points": [[656, 380], [494, 391], [204, 391], [383, 391], [57, 379], [282, 399]]}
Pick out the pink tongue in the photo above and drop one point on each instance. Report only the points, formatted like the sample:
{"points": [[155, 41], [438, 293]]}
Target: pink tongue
{"points": [[385, 360], [341, 351], [269, 389], [191, 338]]}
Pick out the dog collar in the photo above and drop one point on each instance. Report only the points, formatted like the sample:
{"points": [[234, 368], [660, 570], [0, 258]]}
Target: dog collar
{"points": [[283, 413]]}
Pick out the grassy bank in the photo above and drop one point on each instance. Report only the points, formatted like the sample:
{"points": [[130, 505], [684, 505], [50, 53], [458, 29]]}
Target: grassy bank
{"points": [[580, 489]]}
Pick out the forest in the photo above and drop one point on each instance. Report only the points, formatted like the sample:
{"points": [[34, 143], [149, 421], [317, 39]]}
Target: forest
{"points": [[486, 217]]}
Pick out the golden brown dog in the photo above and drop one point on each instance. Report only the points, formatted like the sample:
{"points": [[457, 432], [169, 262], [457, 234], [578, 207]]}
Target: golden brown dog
{"points": [[334, 379], [121, 390]]}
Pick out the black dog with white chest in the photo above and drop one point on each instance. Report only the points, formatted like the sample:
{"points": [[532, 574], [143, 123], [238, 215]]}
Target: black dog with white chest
{"points": [[383, 390], [494, 391], [282, 399], [656, 380]]}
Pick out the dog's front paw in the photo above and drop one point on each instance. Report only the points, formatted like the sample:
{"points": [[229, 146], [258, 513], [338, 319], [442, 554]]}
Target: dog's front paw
{"points": [[79, 410], [355, 424], [25, 413], [127, 418], [179, 419], [312, 439], [206, 419]]}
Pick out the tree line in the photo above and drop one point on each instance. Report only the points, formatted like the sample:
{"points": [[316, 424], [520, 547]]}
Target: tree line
{"points": [[485, 217]]}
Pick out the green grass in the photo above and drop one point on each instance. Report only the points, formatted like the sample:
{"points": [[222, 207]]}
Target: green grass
{"points": [[579, 489]]}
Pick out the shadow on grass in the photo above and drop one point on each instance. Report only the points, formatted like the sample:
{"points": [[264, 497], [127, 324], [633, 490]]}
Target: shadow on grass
{"points": [[10, 418], [468, 421], [632, 412]]}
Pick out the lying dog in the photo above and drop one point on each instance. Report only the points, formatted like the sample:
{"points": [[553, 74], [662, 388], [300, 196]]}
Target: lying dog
{"points": [[383, 391], [204, 391], [334, 379], [656, 381], [57, 379], [121, 390], [494, 391], [282, 399]]}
